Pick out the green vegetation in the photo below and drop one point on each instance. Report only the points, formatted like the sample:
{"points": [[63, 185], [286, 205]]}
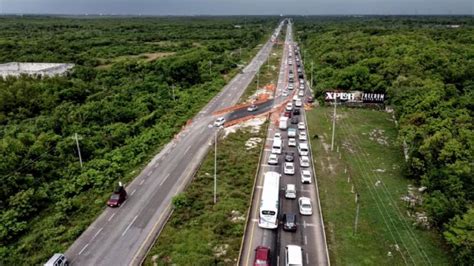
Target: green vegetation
{"points": [[369, 163], [198, 231], [270, 70], [123, 113], [427, 69]]}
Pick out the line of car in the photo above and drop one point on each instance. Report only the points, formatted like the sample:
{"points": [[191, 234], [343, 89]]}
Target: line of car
{"points": [[297, 137]]}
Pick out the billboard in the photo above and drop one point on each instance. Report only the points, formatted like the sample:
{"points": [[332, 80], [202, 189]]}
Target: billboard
{"points": [[354, 97]]}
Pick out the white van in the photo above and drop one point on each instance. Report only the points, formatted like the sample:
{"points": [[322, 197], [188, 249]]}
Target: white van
{"points": [[276, 146], [303, 149], [57, 259], [293, 255]]}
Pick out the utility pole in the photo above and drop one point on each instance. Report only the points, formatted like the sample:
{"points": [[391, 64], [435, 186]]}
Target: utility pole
{"points": [[258, 78], [356, 221], [210, 65], [78, 148], [311, 74], [333, 123], [215, 165], [172, 90]]}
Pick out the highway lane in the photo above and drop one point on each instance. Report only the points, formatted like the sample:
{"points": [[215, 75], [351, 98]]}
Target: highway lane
{"points": [[310, 234], [254, 235], [241, 113], [122, 236]]}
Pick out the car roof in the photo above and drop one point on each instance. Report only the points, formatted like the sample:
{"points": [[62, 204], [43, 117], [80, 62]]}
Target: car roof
{"points": [[261, 252], [290, 186], [305, 171], [305, 200]]}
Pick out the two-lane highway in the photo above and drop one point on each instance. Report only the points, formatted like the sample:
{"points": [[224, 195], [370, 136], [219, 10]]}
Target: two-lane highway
{"points": [[122, 236]]}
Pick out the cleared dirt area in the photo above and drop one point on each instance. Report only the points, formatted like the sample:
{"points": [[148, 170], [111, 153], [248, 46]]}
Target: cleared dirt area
{"points": [[147, 57]]}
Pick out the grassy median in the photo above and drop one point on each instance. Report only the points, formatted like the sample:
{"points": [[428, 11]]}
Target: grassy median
{"points": [[199, 232], [370, 163], [270, 70]]}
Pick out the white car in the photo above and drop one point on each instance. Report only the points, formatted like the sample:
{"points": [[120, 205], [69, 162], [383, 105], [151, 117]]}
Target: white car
{"points": [[291, 86], [292, 132], [252, 108], [298, 103], [301, 80], [301, 126], [289, 168], [277, 136], [284, 93], [219, 122], [290, 191], [273, 159], [305, 207], [304, 161], [289, 106], [291, 75], [291, 142], [305, 177], [295, 98], [300, 93], [302, 136], [302, 86]]}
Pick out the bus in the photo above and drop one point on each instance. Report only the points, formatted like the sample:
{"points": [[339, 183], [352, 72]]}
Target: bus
{"points": [[269, 203]]}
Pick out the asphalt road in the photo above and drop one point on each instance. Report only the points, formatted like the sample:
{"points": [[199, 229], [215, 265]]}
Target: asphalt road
{"points": [[310, 233], [123, 235], [241, 113]]}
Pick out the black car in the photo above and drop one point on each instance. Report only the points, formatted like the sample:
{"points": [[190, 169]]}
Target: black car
{"points": [[296, 111], [289, 156], [294, 120], [289, 222], [301, 75]]}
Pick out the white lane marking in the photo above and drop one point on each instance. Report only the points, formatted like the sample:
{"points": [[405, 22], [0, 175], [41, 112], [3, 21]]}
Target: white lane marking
{"points": [[306, 240], [155, 166], [148, 174], [84, 248], [164, 179], [187, 149], [304, 224], [259, 187], [133, 192], [97, 233], [254, 220], [307, 259], [141, 182], [128, 227], [111, 216]]}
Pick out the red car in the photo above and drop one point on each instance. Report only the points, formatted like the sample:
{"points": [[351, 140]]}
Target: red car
{"points": [[287, 114], [262, 256], [118, 197]]}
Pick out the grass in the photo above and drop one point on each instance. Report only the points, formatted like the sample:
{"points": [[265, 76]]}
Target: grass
{"points": [[197, 228], [269, 71], [372, 166]]}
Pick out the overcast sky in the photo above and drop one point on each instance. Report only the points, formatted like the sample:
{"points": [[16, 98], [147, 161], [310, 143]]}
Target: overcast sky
{"points": [[237, 7]]}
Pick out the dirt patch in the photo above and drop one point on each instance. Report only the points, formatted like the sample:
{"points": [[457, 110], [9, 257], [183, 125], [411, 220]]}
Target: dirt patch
{"points": [[378, 135], [153, 56], [252, 143], [348, 147], [254, 125]]}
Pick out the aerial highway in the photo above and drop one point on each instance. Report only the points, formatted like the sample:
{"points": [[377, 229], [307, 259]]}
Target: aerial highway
{"points": [[310, 233], [122, 236]]}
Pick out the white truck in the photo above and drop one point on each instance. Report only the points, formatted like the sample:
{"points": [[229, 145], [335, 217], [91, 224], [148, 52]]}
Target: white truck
{"points": [[283, 123]]}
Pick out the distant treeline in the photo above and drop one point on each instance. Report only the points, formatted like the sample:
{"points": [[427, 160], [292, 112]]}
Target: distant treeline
{"points": [[426, 67]]}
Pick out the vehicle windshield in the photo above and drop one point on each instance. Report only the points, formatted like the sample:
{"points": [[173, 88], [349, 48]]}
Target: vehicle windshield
{"points": [[115, 197], [268, 212], [306, 206]]}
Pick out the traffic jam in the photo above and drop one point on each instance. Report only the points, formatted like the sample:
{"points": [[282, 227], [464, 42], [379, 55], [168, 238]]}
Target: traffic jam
{"points": [[284, 201]]}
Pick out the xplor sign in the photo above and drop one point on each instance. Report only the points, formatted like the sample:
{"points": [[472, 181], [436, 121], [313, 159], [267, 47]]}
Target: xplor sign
{"points": [[354, 96]]}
